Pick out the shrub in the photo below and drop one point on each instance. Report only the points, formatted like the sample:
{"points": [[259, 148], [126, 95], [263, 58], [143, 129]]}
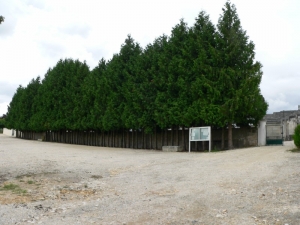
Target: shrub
{"points": [[297, 136]]}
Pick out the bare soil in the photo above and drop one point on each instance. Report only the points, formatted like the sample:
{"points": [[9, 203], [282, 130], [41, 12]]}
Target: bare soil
{"points": [[71, 184]]}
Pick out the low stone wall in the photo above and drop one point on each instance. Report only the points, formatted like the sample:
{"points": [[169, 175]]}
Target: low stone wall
{"points": [[172, 148], [242, 137]]}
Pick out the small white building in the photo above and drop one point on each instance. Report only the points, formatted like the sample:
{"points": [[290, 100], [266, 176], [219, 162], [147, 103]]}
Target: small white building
{"points": [[9, 132]]}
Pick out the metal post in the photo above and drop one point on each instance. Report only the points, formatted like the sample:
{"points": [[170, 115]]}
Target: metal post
{"points": [[209, 139], [189, 140]]}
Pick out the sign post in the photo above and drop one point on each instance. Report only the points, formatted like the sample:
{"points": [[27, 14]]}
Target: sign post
{"points": [[200, 134]]}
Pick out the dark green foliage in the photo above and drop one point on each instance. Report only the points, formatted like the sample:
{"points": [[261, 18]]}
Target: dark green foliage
{"points": [[123, 74], [58, 104], [2, 123], [1, 19], [95, 91], [15, 106], [296, 136], [197, 76], [239, 74], [172, 99], [204, 90]]}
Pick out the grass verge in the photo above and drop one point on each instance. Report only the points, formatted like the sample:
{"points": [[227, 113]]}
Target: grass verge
{"points": [[295, 150], [14, 188]]}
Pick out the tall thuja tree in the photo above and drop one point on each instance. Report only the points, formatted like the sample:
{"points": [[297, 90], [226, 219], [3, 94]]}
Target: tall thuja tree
{"points": [[142, 88], [179, 73], [75, 109], [147, 82], [119, 72], [239, 74], [112, 119], [130, 65], [21, 108], [204, 93], [95, 91], [29, 109], [43, 105], [13, 110], [49, 100], [160, 59], [61, 96], [175, 62]]}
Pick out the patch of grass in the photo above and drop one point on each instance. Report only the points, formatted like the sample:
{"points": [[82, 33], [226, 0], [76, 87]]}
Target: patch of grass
{"points": [[30, 182], [295, 150], [10, 187], [14, 188]]}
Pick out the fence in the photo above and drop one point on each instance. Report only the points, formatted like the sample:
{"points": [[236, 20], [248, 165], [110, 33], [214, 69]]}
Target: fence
{"points": [[137, 139]]}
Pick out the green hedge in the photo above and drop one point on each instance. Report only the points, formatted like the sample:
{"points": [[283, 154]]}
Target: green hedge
{"points": [[296, 136]]}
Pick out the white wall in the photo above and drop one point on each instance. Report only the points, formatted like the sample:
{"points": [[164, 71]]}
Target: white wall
{"points": [[292, 125], [9, 132], [262, 133]]}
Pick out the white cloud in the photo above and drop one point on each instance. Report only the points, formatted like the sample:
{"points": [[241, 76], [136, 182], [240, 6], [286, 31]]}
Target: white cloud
{"points": [[3, 108]]}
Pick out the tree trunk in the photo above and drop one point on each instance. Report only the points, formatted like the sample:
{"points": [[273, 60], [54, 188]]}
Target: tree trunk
{"points": [[172, 135], [167, 137], [183, 144], [155, 138], [127, 145], [230, 146], [162, 138], [143, 139], [131, 144], [177, 136], [151, 141], [113, 135], [137, 139], [223, 137]]}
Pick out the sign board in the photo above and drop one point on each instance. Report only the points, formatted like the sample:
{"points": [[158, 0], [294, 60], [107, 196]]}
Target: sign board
{"points": [[199, 134]]}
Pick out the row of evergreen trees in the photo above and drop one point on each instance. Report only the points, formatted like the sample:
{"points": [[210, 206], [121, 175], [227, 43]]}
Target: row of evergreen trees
{"points": [[199, 75]]}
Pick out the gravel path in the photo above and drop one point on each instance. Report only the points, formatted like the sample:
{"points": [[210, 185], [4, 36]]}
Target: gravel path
{"points": [[70, 184]]}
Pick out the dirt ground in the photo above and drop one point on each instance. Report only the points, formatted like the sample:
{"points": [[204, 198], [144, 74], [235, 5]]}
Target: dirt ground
{"points": [[50, 183]]}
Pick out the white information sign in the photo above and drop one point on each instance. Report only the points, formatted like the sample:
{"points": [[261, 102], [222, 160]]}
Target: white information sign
{"points": [[200, 134]]}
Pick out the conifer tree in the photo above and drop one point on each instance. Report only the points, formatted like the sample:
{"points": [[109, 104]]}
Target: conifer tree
{"points": [[203, 90], [95, 92], [239, 73]]}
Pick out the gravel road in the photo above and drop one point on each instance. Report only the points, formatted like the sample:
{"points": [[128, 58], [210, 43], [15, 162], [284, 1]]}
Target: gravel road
{"points": [[50, 183]]}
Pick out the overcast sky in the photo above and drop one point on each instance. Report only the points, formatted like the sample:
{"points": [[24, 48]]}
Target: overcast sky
{"points": [[37, 33]]}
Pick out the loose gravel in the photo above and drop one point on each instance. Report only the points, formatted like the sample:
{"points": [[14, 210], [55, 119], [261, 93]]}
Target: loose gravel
{"points": [[71, 184]]}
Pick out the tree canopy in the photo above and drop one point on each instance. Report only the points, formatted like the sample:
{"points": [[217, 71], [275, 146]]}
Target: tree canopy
{"points": [[239, 74], [199, 75]]}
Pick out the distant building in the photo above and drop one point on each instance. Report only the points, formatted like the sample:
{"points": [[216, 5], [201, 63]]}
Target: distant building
{"points": [[288, 119]]}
